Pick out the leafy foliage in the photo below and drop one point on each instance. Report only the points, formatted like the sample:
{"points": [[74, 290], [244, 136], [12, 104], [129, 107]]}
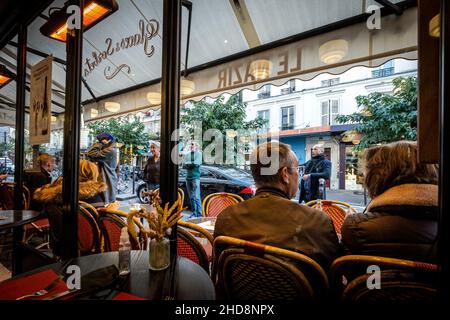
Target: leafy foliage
{"points": [[383, 117], [127, 130], [220, 115]]}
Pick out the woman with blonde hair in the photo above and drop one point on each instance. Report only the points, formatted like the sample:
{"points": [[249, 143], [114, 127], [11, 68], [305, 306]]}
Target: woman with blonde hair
{"points": [[90, 189], [401, 219]]}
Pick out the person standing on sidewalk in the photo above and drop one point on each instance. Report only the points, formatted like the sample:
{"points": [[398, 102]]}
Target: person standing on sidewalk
{"points": [[315, 169], [152, 168], [104, 153], [192, 162]]}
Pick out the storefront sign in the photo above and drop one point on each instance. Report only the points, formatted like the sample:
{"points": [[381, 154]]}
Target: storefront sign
{"points": [[146, 33], [41, 101]]}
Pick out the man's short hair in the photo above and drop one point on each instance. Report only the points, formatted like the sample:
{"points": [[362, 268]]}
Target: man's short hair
{"points": [[320, 147], [280, 155], [45, 158]]}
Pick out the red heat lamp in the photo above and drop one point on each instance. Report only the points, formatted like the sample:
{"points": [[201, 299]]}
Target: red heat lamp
{"points": [[5, 76], [94, 12]]}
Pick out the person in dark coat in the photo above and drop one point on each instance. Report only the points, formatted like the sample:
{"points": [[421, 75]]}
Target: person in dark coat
{"points": [[152, 168], [315, 169], [104, 153], [271, 218], [401, 221], [34, 179]]}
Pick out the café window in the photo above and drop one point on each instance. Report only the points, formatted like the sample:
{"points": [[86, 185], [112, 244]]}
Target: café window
{"points": [[329, 111], [287, 118]]}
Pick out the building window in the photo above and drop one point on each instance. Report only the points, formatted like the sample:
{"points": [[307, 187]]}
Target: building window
{"points": [[330, 82], [264, 92], [385, 70], [265, 115], [287, 118], [330, 109], [289, 89]]}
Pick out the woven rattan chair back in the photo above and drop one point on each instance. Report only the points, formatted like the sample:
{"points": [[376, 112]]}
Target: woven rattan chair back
{"points": [[249, 271], [400, 280], [189, 247], [111, 223], [215, 203], [336, 210], [88, 233]]}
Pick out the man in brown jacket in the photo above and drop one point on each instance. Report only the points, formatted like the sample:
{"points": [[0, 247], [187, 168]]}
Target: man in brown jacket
{"points": [[272, 218]]}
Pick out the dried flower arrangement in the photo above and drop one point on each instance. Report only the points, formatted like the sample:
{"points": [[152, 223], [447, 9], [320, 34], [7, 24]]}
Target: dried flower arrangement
{"points": [[160, 221]]}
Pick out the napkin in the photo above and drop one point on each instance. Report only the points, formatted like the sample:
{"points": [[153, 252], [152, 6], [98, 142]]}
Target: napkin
{"points": [[127, 296], [14, 288]]}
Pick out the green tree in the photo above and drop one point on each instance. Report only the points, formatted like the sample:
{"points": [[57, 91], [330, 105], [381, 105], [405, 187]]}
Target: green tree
{"points": [[383, 118], [219, 115], [127, 130]]}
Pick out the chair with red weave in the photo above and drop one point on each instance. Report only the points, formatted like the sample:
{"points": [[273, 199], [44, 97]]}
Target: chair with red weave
{"points": [[189, 243], [336, 210], [399, 280], [39, 227], [244, 270], [111, 223], [215, 203], [88, 233]]}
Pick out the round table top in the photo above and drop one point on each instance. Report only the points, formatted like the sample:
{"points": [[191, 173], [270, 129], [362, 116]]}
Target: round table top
{"points": [[16, 218], [202, 219], [191, 281]]}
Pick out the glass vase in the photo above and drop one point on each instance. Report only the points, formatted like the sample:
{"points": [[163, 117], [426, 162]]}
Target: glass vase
{"points": [[159, 255]]}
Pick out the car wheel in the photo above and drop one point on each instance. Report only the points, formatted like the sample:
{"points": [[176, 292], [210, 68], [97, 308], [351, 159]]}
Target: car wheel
{"points": [[143, 199]]}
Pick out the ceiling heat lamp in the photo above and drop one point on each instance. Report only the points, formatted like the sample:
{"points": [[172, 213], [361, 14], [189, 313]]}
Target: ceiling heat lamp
{"points": [[94, 12], [5, 75]]}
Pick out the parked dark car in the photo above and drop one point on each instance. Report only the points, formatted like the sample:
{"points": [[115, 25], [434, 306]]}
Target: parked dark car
{"points": [[213, 179]]}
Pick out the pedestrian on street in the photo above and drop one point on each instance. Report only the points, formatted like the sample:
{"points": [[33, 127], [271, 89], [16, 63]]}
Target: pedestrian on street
{"points": [[104, 153], [315, 169], [152, 168], [192, 162]]}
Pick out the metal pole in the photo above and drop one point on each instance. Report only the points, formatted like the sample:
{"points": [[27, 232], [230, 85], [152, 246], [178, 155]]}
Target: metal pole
{"points": [[444, 168], [20, 127], [170, 87], [72, 124]]}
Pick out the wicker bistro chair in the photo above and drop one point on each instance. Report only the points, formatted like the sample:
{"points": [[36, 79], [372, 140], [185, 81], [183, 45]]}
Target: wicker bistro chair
{"points": [[88, 233], [180, 194], [245, 270], [336, 210], [7, 196], [92, 210], [195, 243], [111, 223], [215, 203], [400, 280]]}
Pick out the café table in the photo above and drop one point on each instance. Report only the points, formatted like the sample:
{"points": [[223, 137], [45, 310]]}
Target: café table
{"points": [[16, 219], [206, 223], [191, 282]]}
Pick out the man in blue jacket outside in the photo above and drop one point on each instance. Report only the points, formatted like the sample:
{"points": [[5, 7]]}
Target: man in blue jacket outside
{"points": [[191, 162], [316, 168]]}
